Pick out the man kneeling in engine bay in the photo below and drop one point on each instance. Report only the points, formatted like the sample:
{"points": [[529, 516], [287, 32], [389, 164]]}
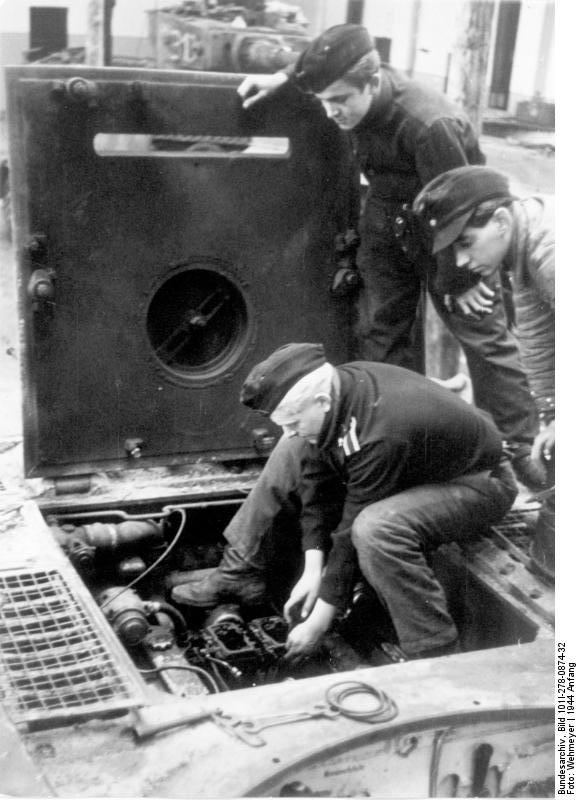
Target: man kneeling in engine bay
{"points": [[379, 466]]}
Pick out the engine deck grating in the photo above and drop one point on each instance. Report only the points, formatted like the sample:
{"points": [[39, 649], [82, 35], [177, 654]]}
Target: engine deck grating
{"points": [[57, 660]]}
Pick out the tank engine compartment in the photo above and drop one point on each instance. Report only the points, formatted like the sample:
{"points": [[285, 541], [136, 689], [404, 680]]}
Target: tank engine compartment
{"points": [[130, 561], [130, 567], [89, 633]]}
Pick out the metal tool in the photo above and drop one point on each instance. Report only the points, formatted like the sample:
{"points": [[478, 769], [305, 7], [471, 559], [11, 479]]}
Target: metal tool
{"points": [[257, 724], [248, 729], [144, 728], [237, 728]]}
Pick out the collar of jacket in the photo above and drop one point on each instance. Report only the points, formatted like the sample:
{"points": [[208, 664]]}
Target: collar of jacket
{"points": [[382, 101], [338, 421], [523, 212]]}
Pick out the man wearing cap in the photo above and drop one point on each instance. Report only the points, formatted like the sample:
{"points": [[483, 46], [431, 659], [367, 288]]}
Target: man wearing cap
{"points": [[377, 466], [471, 211], [403, 134]]}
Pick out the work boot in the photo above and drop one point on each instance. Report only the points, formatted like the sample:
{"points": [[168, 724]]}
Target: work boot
{"points": [[211, 587]]}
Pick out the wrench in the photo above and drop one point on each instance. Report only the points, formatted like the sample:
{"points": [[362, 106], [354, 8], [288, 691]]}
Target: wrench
{"points": [[248, 730], [145, 725], [258, 724]]}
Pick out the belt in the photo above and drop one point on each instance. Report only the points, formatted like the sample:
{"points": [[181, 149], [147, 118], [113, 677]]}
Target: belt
{"points": [[393, 188]]}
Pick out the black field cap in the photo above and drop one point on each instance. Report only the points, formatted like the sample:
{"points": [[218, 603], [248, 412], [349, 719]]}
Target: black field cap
{"points": [[330, 55], [270, 380], [447, 203]]}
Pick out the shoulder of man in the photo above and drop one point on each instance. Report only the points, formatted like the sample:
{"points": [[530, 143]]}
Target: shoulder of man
{"points": [[540, 218], [363, 405], [423, 101]]}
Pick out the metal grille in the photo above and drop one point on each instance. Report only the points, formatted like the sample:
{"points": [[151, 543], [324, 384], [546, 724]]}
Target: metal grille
{"points": [[56, 659]]}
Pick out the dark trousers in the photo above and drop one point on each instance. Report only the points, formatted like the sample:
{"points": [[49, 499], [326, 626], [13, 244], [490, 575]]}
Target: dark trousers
{"points": [[388, 329], [391, 537]]}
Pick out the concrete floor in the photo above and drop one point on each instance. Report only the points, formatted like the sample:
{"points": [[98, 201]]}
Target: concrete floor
{"points": [[532, 170]]}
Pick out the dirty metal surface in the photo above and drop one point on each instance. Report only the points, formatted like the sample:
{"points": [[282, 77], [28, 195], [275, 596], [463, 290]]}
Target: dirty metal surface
{"points": [[21, 776], [437, 723], [501, 561], [469, 701], [147, 487]]}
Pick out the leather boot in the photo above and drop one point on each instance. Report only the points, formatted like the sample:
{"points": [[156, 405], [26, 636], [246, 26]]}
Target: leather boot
{"points": [[211, 587]]}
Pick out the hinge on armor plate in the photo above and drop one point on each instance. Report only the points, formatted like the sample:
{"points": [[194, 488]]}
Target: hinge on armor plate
{"points": [[74, 484]]}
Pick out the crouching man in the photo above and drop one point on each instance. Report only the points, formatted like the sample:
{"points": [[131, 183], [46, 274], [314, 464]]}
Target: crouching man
{"points": [[378, 465]]}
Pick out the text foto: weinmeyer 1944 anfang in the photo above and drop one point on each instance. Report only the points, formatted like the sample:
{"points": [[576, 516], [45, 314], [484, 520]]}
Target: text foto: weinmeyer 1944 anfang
{"points": [[565, 701]]}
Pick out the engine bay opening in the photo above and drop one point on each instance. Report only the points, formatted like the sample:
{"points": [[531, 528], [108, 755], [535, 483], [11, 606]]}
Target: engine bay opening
{"points": [[131, 562]]}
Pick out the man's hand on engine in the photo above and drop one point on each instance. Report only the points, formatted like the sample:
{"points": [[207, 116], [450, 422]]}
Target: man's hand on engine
{"points": [[305, 592], [306, 589], [305, 638], [255, 88], [475, 302]]}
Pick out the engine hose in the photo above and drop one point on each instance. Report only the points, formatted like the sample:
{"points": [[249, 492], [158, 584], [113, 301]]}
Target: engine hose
{"points": [[158, 606], [161, 558], [202, 673]]}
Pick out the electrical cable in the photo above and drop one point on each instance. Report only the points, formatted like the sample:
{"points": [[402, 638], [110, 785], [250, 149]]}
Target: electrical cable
{"points": [[218, 676], [384, 710], [161, 607], [214, 665], [186, 668], [234, 671]]}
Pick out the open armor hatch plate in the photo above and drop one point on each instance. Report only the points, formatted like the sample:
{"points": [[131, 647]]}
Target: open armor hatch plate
{"points": [[167, 241]]}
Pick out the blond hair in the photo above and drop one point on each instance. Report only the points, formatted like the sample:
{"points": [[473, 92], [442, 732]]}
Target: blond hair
{"points": [[319, 381]]}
